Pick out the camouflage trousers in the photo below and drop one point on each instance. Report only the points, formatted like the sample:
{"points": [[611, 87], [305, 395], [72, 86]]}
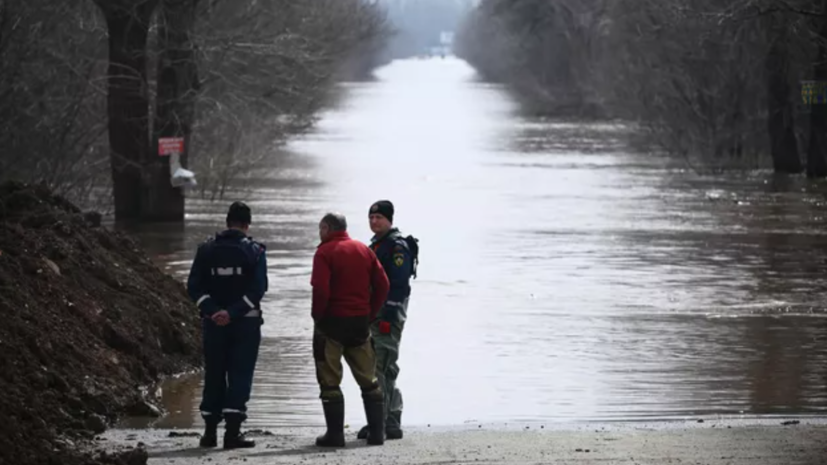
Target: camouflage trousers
{"points": [[387, 367]]}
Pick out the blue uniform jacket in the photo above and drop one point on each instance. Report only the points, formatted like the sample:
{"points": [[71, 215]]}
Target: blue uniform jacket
{"points": [[229, 272], [395, 257]]}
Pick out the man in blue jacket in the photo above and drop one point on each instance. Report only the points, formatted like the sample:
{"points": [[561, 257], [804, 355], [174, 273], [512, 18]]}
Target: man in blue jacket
{"points": [[227, 281], [398, 260]]}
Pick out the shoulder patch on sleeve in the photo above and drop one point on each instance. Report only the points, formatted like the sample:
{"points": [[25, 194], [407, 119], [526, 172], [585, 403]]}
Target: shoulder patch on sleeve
{"points": [[398, 259]]}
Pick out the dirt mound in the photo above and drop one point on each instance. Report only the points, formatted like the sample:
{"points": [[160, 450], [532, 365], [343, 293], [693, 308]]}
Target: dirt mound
{"points": [[87, 320]]}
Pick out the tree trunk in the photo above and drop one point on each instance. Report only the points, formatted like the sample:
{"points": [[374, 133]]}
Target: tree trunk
{"points": [[781, 122], [816, 161], [127, 101], [175, 106]]}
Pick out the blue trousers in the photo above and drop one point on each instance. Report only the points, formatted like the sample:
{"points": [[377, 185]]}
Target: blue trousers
{"points": [[230, 355]]}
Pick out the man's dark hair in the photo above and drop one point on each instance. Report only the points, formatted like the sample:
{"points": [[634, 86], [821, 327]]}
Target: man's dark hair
{"points": [[239, 215], [336, 221]]}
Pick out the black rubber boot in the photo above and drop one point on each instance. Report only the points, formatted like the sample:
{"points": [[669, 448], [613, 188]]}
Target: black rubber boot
{"points": [[210, 437], [393, 432], [393, 427], [334, 417], [233, 439], [375, 412]]}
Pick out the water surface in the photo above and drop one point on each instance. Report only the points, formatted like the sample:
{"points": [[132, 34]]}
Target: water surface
{"points": [[562, 277]]}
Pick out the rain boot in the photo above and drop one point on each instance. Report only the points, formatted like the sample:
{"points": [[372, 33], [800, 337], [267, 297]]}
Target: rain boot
{"points": [[391, 432], [233, 439], [210, 437], [375, 412], [334, 416], [393, 428], [394, 432]]}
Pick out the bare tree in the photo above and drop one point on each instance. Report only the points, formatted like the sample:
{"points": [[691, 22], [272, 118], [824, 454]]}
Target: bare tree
{"points": [[781, 116], [817, 150], [51, 102], [712, 82], [177, 87], [689, 81], [545, 50], [268, 67], [128, 24], [88, 84]]}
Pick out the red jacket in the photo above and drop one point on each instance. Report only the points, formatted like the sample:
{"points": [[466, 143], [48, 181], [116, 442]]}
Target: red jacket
{"points": [[347, 280]]}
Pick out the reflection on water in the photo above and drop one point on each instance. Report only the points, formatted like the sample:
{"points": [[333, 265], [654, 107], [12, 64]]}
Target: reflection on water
{"points": [[562, 278]]}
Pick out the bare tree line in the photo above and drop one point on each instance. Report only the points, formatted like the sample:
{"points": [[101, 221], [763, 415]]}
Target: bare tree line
{"points": [[269, 85], [88, 87], [719, 83], [51, 107]]}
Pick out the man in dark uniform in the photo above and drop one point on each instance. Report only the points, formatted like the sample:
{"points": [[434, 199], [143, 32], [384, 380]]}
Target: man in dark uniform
{"points": [[394, 252], [349, 288], [227, 281]]}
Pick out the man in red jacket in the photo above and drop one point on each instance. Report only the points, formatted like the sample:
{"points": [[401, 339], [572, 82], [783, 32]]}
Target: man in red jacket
{"points": [[349, 288]]}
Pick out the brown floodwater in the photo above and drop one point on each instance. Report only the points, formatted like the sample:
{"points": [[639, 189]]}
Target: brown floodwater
{"points": [[563, 277]]}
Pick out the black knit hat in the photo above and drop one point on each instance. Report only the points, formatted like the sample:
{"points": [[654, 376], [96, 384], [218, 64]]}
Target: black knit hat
{"points": [[384, 208], [239, 213]]}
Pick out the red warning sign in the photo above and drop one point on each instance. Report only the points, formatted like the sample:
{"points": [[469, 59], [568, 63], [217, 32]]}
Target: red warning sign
{"points": [[169, 145]]}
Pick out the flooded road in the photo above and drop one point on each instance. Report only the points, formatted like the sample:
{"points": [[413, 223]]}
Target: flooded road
{"points": [[562, 277]]}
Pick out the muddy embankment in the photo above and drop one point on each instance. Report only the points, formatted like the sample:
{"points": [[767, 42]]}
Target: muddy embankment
{"points": [[87, 320]]}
